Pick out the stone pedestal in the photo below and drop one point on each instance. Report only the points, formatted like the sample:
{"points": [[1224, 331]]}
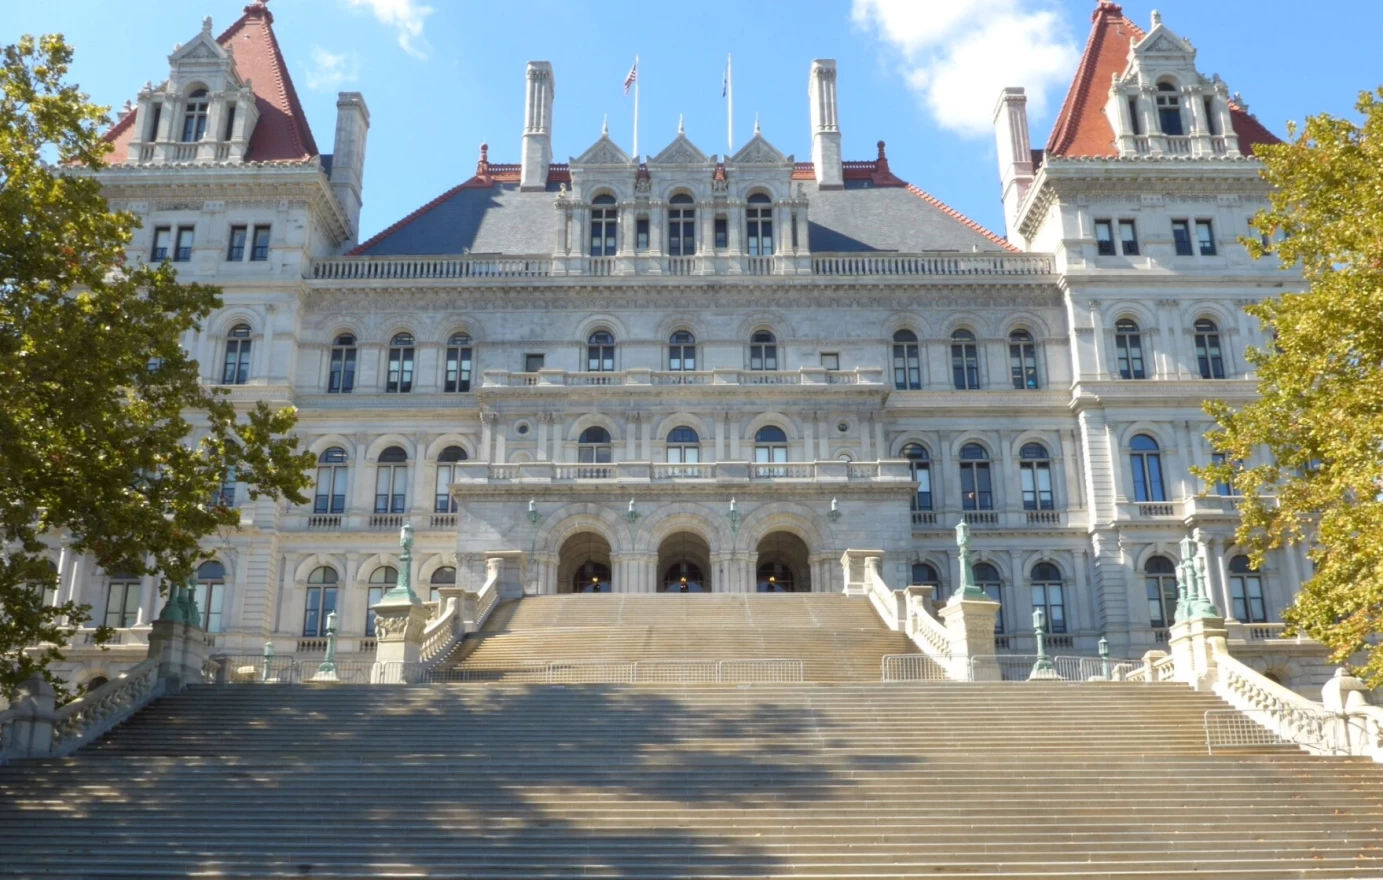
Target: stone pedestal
{"points": [[970, 626], [399, 629], [31, 735], [853, 568], [181, 650], [1194, 647]]}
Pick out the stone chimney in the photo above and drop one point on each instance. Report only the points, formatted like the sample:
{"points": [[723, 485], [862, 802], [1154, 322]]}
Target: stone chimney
{"points": [[1015, 154], [537, 126], [825, 126], [348, 157]]}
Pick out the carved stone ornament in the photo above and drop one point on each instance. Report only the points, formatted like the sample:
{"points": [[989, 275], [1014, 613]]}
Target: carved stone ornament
{"points": [[643, 185], [400, 625], [603, 152], [758, 152]]}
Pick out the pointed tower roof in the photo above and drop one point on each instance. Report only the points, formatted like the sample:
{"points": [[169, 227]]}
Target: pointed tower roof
{"points": [[1081, 129], [282, 133]]}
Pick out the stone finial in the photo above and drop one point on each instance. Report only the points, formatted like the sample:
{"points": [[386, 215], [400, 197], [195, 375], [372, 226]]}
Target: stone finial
{"points": [[605, 126], [1156, 18], [206, 25], [756, 123], [681, 129], [881, 151], [482, 165]]}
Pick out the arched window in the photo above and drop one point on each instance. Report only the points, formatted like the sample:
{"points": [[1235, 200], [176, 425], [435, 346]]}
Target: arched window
{"points": [[320, 601], [924, 573], [400, 380], [122, 600], [600, 352], [603, 226], [331, 482], [684, 577], [683, 446], [446, 475], [1169, 109], [209, 593], [1022, 359], [382, 580], [1035, 467], [391, 481], [194, 117], [342, 378], [681, 352], [770, 452], [921, 468], [976, 488], [593, 447], [907, 364], [759, 214], [237, 366], [458, 377], [592, 577], [1146, 459], [681, 226], [1208, 355], [763, 351], [1246, 591], [1160, 581], [988, 581], [1128, 348], [1048, 595], [442, 577], [775, 577], [965, 360]]}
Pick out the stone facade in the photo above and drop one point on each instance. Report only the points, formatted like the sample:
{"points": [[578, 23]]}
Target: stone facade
{"points": [[506, 338]]}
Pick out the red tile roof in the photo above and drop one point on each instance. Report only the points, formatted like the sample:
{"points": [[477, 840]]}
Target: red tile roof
{"points": [[282, 133], [1081, 128]]}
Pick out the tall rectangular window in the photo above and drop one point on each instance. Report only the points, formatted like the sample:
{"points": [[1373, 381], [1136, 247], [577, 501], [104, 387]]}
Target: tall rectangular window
{"points": [[391, 487], [236, 250], [210, 597], [321, 601], [1222, 489], [1128, 236], [162, 237], [260, 250], [1104, 238], [1181, 237], [458, 377], [641, 234], [722, 234], [1205, 238], [183, 250], [122, 603]]}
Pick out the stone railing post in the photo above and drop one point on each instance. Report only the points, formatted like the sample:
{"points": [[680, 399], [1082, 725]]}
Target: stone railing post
{"points": [[400, 618], [33, 730]]}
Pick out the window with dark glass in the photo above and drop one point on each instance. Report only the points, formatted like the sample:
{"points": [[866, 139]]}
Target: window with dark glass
{"points": [[182, 251], [1022, 359], [331, 481], [683, 446], [763, 351], [1128, 237], [400, 378], [210, 594], [1035, 468], [225, 493], [907, 363], [1246, 591], [446, 475], [1212, 123], [1205, 238], [1160, 583], [382, 580], [681, 352], [976, 488], [1209, 357], [391, 481], [320, 601], [681, 226], [228, 130], [600, 352], [988, 581], [1128, 349], [342, 377], [771, 448], [259, 251], [1146, 459], [924, 573], [1181, 238], [162, 236], [830, 360], [604, 224], [122, 601], [1134, 116], [458, 370], [920, 466], [965, 360], [236, 250], [759, 216], [1104, 238], [722, 234], [236, 370], [593, 447], [1222, 489], [532, 363], [1169, 110], [194, 116], [1048, 594], [641, 234], [442, 577], [155, 117]]}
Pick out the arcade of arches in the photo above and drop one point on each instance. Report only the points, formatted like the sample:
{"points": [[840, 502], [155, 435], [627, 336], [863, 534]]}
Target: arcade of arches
{"points": [[685, 563]]}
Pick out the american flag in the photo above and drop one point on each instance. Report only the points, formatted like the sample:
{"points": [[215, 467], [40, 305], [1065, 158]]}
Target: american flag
{"points": [[632, 77]]}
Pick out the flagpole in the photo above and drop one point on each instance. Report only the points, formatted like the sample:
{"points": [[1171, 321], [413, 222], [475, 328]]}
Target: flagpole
{"points": [[729, 106], [636, 109]]}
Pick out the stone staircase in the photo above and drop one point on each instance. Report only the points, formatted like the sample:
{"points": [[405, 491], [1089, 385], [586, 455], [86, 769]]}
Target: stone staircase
{"points": [[844, 779], [838, 638]]}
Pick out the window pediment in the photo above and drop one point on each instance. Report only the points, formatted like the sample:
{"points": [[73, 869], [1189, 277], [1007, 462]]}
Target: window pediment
{"points": [[680, 152]]}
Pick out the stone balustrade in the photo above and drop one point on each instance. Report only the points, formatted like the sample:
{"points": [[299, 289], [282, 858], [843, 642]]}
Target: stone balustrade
{"points": [[471, 473], [868, 376]]}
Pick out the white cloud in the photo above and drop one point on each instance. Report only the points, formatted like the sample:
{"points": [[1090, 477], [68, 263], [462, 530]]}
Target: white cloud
{"points": [[329, 70], [405, 17], [958, 54]]}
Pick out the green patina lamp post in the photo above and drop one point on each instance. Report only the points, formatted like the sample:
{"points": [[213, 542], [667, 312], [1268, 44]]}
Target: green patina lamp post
{"points": [[966, 588], [268, 660], [1043, 668], [181, 606], [1191, 573], [1103, 647], [326, 670], [403, 589], [734, 516]]}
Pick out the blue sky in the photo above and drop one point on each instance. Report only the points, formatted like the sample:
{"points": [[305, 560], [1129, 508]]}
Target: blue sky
{"points": [[442, 76]]}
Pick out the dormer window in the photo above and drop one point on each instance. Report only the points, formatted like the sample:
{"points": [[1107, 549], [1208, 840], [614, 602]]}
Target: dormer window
{"points": [[194, 117], [1169, 109], [681, 226], [759, 215], [603, 226]]}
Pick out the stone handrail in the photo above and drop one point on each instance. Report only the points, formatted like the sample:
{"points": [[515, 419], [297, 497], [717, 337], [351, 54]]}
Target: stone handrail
{"points": [[94, 714], [931, 264], [1154, 668], [904, 611], [359, 268], [8, 721], [1286, 713], [440, 633]]}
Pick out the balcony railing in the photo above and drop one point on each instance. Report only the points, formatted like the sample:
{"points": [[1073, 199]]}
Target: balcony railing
{"points": [[471, 473], [928, 520], [930, 264], [386, 521], [411, 268], [804, 376], [1178, 146], [1156, 509]]}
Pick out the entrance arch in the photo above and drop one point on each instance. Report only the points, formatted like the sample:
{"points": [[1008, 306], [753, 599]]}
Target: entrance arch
{"points": [[584, 564], [684, 564], [783, 564]]}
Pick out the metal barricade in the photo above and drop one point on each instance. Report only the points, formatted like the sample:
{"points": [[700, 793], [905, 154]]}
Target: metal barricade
{"points": [[252, 669], [915, 667], [1230, 728], [766, 671], [676, 672]]}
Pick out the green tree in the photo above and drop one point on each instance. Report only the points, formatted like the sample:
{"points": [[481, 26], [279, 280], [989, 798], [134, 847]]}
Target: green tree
{"points": [[106, 436], [1308, 454]]}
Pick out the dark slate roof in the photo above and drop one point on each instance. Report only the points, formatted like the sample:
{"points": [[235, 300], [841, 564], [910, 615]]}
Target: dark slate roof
{"points": [[889, 219], [494, 219]]}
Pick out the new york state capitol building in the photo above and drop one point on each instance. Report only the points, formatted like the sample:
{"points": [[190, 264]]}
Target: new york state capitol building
{"points": [[698, 372]]}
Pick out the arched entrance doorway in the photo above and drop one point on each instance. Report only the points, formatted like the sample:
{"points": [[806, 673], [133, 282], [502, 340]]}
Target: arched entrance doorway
{"points": [[684, 564], [783, 565], [584, 565]]}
